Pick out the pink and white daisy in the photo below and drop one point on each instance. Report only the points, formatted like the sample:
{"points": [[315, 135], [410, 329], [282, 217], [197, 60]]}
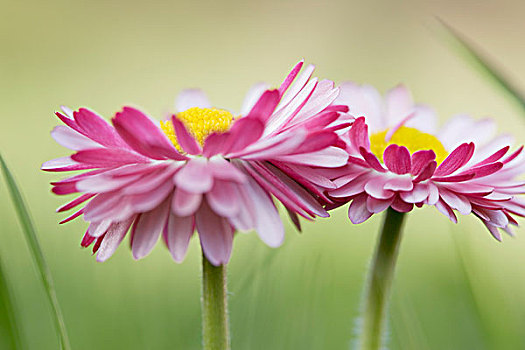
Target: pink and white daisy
{"points": [[203, 168], [398, 159]]}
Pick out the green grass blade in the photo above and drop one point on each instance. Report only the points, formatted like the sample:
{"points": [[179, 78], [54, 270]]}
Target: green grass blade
{"points": [[474, 55], [36, 252], [9, 332]]}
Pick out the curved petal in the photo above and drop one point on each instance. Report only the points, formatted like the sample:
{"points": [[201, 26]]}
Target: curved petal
{"points": [[184, 138], [114, 235], [216, 235], [185, 203], [141, 134], [71, 139], [147, 229], [358, 211], [178, 232]]}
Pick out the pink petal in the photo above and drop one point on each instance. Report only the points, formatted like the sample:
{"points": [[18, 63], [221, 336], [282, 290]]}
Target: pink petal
{"points": [[401, 206], [299, 85], [317, 141], [495, 156], [244, 132], [216, 144], [150, 181], [147, 229], [399, 183], [223, 198], [375, 188], [456, 201], [98, 207], [64, 164], [358, 212], [178, 232], [224, 170], [69, 121], [446, 210], [75, 202], [268, 224], [331, 157], [493, 230], [195, 176], [87, 240], [215, 234], [97, 229], [427, 172], [143, 202], [420, 160], [433, 194], [286, 190], [108, 157], [71, 139], [246, 218], [97, 129], [104, 183], [371, 160], [486, 170], [290, 77], [418, 194], [397, 159], [185, 203], [352, 188], [455, 160], [269, 147], [359, 134], [72, 217], [322, 97], [143, 135], [114, 235], [184, 138], [454, 178], [265, 106], [376, 206], [283, 115]]}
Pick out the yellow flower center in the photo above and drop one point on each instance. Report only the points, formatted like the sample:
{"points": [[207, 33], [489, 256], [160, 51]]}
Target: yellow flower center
{"points": [[200, 123], [411, 138]]}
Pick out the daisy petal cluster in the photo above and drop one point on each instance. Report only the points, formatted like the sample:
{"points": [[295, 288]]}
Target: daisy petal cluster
{"points": [[203, 169], [400, 159]]}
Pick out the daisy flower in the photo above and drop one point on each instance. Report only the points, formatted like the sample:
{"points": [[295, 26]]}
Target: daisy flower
{"points": [[202, 169], [399, 158]]}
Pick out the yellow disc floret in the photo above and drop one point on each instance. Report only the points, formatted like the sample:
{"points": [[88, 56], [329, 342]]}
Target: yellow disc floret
{"points": [[200, 122], [411, 138]]}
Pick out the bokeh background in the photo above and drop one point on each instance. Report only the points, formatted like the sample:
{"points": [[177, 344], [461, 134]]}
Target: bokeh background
{"points": [[456, 287]]}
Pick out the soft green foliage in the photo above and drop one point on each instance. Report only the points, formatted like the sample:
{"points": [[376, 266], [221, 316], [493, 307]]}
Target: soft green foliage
{"points": [[9, 321], [36, 252], [477, 59]]}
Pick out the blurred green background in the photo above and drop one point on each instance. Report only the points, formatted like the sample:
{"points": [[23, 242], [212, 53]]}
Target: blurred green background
{"points": [[456, 287]]}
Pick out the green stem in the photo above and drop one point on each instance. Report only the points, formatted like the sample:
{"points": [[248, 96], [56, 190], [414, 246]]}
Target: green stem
{"points": [[215, 328], [380, 279]]}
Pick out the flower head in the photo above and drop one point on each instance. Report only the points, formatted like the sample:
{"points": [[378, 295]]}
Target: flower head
{"points": [[398, 159], [204, 168]]}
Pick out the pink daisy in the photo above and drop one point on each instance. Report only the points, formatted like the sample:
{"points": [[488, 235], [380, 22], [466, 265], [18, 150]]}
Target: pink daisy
{"points": [[203, 168], [398, 159]]}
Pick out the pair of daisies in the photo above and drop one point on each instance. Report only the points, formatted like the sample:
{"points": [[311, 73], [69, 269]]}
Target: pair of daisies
{"points": [[309, 145]]}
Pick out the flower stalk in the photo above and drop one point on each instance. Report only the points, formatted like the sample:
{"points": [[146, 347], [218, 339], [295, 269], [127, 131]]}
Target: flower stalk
{"points": [[379, 283], [215, 326]]}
